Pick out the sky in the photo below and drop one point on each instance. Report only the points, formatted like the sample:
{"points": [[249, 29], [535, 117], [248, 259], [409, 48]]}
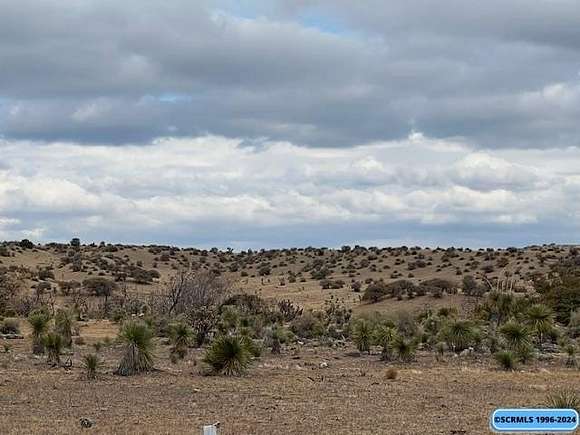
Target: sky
{"points": [[279, 123]]}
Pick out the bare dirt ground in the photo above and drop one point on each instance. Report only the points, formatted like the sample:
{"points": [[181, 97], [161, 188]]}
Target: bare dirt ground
{"points": [[290, 393], [287, 394]]}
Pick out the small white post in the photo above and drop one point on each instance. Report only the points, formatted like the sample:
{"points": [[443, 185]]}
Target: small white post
{"points": [[210, 430]]}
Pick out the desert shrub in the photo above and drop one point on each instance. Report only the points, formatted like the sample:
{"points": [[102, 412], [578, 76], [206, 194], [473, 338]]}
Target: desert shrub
{"points": [[458, 335], [227, 355], [53, 343], [10, 287], [63, 325], [307, 326], [574, 324], [564, 399], [570, 350], [38, 320], [180, 334], [99, 286], [437, 286], [561, 291], [506, 359], [540, 319], [362, 334], [10, 326], [516, 335], [404, 348], [91, 364], [383, 336], [288, 310], [26, 244], [251, 345], [137, 338], [197, 296]]}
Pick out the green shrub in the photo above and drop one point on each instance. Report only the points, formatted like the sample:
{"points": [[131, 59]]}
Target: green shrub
{"points": [[38, 320], [63, 325], [506, 359], [404, 348], [228, 355], [137, 338], [459, 335], [362, 335], [180, 334], [53, 343], [91, 364], [383, 336]]}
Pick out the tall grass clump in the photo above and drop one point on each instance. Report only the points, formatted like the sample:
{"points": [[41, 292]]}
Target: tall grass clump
{"points": [[506, 359], [137, 338], [91, 364], [181, 335], [63, 325], [362, 335], [228, 355], [53, 343], [38, 320], [564, 399], [404, 348]]}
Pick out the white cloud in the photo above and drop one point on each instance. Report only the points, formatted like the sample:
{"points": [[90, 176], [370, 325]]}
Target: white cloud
{"points": [[51, 190]]}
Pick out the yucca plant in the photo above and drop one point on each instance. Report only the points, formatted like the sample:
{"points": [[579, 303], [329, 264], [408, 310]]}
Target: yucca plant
{"points": [[506, 359], [404, 348], [540, 318], [362, 335], [181, 335], [228, 355], [564, 399], [63, 324], [53, 343], [458, 335], [383, 337], [138, 353], [516, 335], [38, 320], [571, 351], [91, 363]]}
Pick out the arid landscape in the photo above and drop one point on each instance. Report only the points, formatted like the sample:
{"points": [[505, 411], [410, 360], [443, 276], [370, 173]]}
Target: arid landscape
{"points": [[354, 340]]}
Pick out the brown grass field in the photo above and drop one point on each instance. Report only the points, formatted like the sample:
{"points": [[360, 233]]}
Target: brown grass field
{"points": [[309, 388]]}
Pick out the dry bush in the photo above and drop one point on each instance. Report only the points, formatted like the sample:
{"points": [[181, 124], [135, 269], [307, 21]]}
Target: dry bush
{"points": [[197, 296]]}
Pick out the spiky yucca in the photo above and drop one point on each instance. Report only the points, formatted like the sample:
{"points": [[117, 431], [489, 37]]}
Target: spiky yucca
{"points": [[383, 337], [53, 343], [181, 335], [516, 335], [138, 355], [228, 355], [571, 351], [405, 348], [458, 335], [63, 324], [362, 335], [91, 363], [541, 321], [506, 359], [38, 320], [564, 399]]}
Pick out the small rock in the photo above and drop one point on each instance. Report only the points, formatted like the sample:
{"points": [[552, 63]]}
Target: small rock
{"points": [[86, 422], [323, 365]]}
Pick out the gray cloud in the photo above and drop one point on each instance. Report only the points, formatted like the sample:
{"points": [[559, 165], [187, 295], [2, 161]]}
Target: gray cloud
{"points": [[122, 72]]}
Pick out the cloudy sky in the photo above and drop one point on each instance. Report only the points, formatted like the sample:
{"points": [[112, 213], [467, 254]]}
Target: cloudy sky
{"points": [[290, 123]]}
